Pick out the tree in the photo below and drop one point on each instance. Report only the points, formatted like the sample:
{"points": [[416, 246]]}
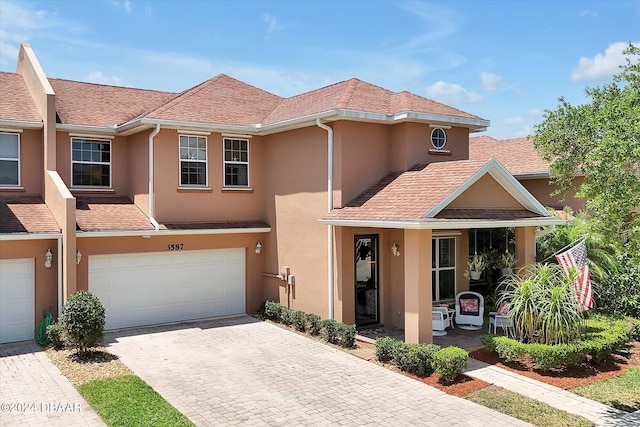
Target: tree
{"points": [[83, 318], [602, 141]]}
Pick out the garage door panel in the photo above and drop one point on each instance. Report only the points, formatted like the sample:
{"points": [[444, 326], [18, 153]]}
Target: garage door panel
{"points": [[142, 289], [17, 300]]}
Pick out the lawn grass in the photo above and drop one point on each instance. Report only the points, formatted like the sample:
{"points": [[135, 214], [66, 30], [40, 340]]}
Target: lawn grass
{"points": [[621, 392], [525, 408], [129, 401]]}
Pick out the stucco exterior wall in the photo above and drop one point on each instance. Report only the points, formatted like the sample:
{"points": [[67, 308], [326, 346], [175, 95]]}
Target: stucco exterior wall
{"points": [[485, 192], [131, 245], [542, 190], [31, 162], [46, 279], [215, 203], [295, 197], [138, 154]]}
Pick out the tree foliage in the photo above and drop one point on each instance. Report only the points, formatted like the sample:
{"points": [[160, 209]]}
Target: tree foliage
{"points": [[601, 140]]}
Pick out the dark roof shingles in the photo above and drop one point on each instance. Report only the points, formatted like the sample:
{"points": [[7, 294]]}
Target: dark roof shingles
{"points": [[109, 214], [26, 214], [16, 102]]}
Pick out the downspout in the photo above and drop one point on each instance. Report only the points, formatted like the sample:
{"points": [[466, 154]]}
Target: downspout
{"points": [[59, 275], [152, 204], [329, 209]]}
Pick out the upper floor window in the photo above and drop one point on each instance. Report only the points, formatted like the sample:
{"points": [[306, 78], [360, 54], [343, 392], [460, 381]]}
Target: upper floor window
{"points": [[9, 159], [91, 162], [236, 162], [193, 160], [438, 138]]}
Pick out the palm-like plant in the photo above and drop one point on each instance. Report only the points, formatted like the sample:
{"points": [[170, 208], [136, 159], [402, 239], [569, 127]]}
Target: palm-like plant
{"points": [[543, 306]]}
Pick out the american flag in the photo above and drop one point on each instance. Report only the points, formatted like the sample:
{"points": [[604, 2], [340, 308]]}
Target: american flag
{"points": [[576, 258]]}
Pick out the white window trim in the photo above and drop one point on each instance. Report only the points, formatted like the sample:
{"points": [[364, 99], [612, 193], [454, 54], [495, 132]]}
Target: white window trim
{"points": [[438, 269], [441, 148], [204, 186], [110, 163], [19, 184], [224, 166]]}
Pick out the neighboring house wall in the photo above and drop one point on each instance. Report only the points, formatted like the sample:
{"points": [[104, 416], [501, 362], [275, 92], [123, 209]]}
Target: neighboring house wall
{"points": [[542, 190]]}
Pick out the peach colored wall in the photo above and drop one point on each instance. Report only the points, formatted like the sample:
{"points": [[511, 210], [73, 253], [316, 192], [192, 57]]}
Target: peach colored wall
{"points": [[462, 256], [179, 205], [363, 152], [417, 298], [485, 192], [295, 197], [525, 246], [31, 165], [46, 279], [138, 155], [412, 142], [542, 189], [119, 245]]}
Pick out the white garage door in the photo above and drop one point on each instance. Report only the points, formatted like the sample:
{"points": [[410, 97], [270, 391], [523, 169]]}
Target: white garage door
{"points": [[16, 300], [149, 288]]}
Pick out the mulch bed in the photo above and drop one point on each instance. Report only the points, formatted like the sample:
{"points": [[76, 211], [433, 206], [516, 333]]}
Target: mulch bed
{"points": [[582, 374], [462, 386]]}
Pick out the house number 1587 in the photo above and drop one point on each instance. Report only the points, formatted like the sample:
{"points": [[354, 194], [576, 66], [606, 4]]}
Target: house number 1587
{"points": [[175, 247]]}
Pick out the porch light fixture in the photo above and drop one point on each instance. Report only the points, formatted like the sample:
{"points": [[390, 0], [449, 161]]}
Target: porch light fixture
{"points": [[258, 248], [48, 257], [394, 250], [78, 257]]}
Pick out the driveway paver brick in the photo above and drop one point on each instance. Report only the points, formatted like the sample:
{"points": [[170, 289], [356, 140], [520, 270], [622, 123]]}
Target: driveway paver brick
{"points": [[33, 391], [239, 371]]}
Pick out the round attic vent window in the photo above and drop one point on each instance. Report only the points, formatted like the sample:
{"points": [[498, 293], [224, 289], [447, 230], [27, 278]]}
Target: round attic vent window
{"points": [[438, 138]]}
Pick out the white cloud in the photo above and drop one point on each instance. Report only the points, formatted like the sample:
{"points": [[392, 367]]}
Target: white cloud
{"points": [[601, 65], [510, 121], [451, 92], [535, 112], [126, 5], [589, 12], [490, 81], [272, 23], [98, 77]]}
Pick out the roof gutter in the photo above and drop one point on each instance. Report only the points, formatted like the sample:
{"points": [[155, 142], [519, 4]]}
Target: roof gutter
{"points": [[180, 232], [442, 225], [330, 266], [97, 130], [29, 236], [21, 124], [152, 201]]}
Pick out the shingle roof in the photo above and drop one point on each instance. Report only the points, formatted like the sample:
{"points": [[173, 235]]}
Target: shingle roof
{"points": [[222, 100], [16, 102], [26, 214], [357, 95], [517, 154], [109, 213], [102, 105]]}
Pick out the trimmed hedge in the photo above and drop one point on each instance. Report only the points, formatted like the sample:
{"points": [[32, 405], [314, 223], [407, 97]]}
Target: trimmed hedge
{"points": [[602, 338], [331, 330], [449, 362]]}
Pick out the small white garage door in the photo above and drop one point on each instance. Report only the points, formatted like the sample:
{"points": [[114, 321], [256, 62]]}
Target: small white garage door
{"points": [[17, 300], [150, 288]]}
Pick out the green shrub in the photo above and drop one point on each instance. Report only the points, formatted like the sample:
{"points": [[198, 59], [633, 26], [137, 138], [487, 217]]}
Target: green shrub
{"points": [[449, 362], [83, 318], [330, 329], [286, 316], [346, 335], [299, 320], [548, 357], [55, 333], [314, 323], [415, 358], [272, 310], [488, 342], [635, 328], [385, 349], [508, 349]]}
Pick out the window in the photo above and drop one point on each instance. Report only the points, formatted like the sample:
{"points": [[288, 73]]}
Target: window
{"points": [[9, 159], [438, 138], [443, 268], [236, 162], [193, 160], [91, 162]]}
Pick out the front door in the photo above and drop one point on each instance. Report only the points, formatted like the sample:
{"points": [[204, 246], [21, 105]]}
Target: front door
{"points": [[366, 279]]}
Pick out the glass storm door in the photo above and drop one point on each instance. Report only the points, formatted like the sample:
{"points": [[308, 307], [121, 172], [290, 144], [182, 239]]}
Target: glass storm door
{"points": [[366, 279]]}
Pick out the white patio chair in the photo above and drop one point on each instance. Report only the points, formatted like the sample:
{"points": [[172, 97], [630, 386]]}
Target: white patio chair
{"points": [[469, 310], [439, 321]]}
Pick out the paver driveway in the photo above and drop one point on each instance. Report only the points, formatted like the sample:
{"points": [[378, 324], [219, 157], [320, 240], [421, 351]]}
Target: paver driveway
{"points": [[33, 392], [238, 371]]}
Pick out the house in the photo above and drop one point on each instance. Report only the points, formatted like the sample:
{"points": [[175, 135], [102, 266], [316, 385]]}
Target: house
{"points": [[349, 201]]}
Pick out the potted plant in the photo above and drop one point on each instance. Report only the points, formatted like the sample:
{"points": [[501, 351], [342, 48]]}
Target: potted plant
{"points": [[476, 264], [507, 263]]}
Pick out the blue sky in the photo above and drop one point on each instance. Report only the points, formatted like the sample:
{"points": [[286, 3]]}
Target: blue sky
{"points": [[506, 61]]}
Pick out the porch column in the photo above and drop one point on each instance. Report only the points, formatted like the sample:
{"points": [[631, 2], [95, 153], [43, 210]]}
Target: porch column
{"points": [[417, 286], [525, 246]]}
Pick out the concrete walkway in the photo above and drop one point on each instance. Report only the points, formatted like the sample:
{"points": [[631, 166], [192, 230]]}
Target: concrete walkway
{"points": [[240, 371], [553, 396], [33, 392]]}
